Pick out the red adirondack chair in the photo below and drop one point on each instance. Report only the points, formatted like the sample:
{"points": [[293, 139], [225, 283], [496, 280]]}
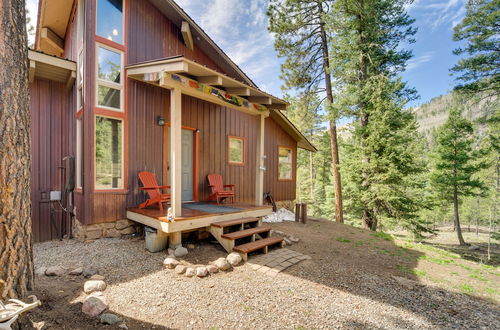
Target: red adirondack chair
{"points": [[150, 185], [218, 188]]}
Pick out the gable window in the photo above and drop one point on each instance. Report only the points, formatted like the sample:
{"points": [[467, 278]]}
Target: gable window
{"points": [[236, 150], [285, 163], [109, 78], [108, 153], [110, 20]]}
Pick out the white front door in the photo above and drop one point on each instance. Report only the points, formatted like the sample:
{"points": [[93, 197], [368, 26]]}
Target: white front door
{"points": [[187, 163]]}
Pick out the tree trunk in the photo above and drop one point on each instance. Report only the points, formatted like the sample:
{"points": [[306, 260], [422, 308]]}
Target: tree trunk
{"points": [[16, 259], [457, 219], [339, 213], [311, 174]]}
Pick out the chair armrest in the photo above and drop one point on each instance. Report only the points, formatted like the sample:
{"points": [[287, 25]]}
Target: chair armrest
{"points": [[228, 185], [211, 185], [155, 187]]}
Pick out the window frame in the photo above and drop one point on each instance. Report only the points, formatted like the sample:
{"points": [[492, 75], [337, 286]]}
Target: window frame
{"points": [[243, 156], [106, 83], [79, 154], [291, 163], [123, 25]]}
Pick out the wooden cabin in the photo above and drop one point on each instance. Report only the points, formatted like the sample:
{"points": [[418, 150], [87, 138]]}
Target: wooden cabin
{"points": [[124, 86]]}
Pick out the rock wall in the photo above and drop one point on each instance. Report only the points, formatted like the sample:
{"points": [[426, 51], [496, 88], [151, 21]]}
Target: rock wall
{"points": [[289, 205], [108, 229]]}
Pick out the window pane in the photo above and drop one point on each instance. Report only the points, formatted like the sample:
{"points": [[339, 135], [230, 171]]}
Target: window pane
{"points": [[109, 65], [285, 171], [110, 20], [79, 154], [235, 150], [108, 153], [108, 97], [285, 163]]}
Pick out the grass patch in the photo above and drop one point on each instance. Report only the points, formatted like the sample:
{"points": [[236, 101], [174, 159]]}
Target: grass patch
{"points": [[407, 270], [470, 269], [382, 235], [454, 273], [491, 291], [343, 240], [436, 260], [478, 277], [465, 288]]}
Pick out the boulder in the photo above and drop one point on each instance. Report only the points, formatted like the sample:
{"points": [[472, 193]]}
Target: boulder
{"points": [[233, 258], [180, 252], [55, 271], [201, 271], [76, 272], [222, 264], [94, 305], [124, 223], [93, 286], [180, 269], [97, 277], [212, 269], [108, 318], [190, 272], [170, 263]]}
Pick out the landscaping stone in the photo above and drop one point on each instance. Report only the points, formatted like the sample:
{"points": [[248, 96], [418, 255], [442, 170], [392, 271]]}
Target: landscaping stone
{"points": [[89, 272], [212, 269], [55, 271], [97, 277], [222, 264], [93, 234], [201, 271], [180, 269], [170, 263], [190, 272], [127, 231], [124, 223], [112, 232], [287, 241], [40, 271], [76, 272], [93, 286], [180, 252], [279, 233], [123, 326], [108, 318], [94, 304], [234, 258], [294, 239]]}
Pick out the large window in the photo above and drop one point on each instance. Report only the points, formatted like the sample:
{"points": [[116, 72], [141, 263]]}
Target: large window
{"points": [[108, 153], [285, 163], [109, 78], [110, 20], [236, 150]]}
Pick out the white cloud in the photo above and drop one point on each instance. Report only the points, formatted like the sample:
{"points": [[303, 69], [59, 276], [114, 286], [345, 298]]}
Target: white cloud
{"points": [[437, 13], [417, 61]]}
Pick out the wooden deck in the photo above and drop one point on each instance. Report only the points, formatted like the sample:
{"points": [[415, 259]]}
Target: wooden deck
{"points": [[193, 219]]}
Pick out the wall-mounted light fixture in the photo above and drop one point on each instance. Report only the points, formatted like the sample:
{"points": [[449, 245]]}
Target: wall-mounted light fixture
{"points": [[197, 130], [160, 121]]}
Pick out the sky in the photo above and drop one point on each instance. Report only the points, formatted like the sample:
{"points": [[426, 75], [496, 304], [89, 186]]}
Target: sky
{"points": [[239, 27]]}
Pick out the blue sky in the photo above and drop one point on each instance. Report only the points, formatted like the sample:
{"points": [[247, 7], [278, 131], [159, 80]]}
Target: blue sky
{"points": [[239, 27]]}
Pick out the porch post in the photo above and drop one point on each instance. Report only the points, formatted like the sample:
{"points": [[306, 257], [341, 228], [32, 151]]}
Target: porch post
{"points": [[259, 177], [176, 150]]}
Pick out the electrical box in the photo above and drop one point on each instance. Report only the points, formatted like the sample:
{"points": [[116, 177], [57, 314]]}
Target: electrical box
{"points": [[55, 196]]}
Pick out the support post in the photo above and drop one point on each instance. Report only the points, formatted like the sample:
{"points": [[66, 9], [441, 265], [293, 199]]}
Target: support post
{"points": [[175, 240], [304, 213], [259, 177], [176, 150], [297, 212]]}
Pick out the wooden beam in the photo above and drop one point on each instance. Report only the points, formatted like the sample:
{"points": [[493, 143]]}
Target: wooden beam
{"points": [[240, 91], [71, 80], [278, 106], [259, 178], [53, 39], [51, 60], [211, 80], [260, 99], [186, 35], [176, 150], [32, 69]]}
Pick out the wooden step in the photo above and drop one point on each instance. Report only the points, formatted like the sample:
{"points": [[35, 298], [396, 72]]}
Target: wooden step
{"points": [[257, 245], [246, 233], [229, 223]]}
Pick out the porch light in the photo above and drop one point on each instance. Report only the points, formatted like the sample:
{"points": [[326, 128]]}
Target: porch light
{"points": [[160, 121]]}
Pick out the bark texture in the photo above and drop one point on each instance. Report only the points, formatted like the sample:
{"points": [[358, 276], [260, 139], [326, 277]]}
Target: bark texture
{"points": [[16, 259]]}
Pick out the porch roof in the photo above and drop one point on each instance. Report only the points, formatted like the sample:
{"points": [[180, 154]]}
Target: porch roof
{"points": [[51, 67]]}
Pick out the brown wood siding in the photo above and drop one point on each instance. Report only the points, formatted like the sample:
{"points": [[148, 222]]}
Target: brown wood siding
{"points": [[275, 136], [152, 36], [50, 132]]}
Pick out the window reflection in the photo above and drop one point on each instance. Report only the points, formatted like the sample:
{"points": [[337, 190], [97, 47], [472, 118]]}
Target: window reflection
{"points": [[110, 20], [109, 65], [108, 153]]}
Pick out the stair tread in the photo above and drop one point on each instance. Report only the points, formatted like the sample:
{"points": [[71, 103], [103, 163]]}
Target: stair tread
{"points": [[259, 244], [222, 224], [246, 232]]}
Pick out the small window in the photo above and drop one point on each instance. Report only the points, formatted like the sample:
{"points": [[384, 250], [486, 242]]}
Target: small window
{"points": [[79, 153], [108, 153], [285, 163], [236, 150], [108, 97], [109, 78], [110, 20], [109, 65]]}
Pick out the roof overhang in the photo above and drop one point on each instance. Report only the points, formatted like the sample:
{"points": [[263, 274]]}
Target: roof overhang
{"points": [[52, 68], [289, 127], [53, 18]]}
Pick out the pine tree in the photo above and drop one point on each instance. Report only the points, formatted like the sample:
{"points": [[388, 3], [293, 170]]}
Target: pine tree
{"points": [[457, 163], [480, 71], [302, 38], [366, 58]]}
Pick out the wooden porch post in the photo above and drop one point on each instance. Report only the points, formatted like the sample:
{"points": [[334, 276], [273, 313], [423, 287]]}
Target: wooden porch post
{"points": [[259, 177], [176, 149]]}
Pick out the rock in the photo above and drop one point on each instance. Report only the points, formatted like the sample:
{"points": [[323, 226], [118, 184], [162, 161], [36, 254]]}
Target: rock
{"points": [[170, 263], [212, 269], [94, 305], [89, 272], [180, 269], [123, 326], [201, 271], [180, 252], [222, 264], [170, 251], [39, 325], [406, 283], [93, 286], [233, 258], [474, 248], [190, 272], [40, 271], [279, 233], [294, 239], [288, 241], [191, 246], [127, 231], [113, 233], [93, 234], [55, 271], [76, 272], [108, 318], [124, 223], [97, 277]]}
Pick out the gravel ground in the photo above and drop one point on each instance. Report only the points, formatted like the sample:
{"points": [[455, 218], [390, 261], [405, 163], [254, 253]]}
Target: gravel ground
{"points": [[340, 287]]}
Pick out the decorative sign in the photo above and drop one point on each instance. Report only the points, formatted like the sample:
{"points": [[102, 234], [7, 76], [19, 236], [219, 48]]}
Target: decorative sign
{"points": [[229, 98]]}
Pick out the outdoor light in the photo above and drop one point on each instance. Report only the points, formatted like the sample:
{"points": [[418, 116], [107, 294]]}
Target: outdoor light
{"points": [[160, 121], [197, 130]]}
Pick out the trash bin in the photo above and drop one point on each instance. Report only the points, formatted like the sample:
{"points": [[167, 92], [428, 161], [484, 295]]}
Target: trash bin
{"points": [[155, 242]]}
